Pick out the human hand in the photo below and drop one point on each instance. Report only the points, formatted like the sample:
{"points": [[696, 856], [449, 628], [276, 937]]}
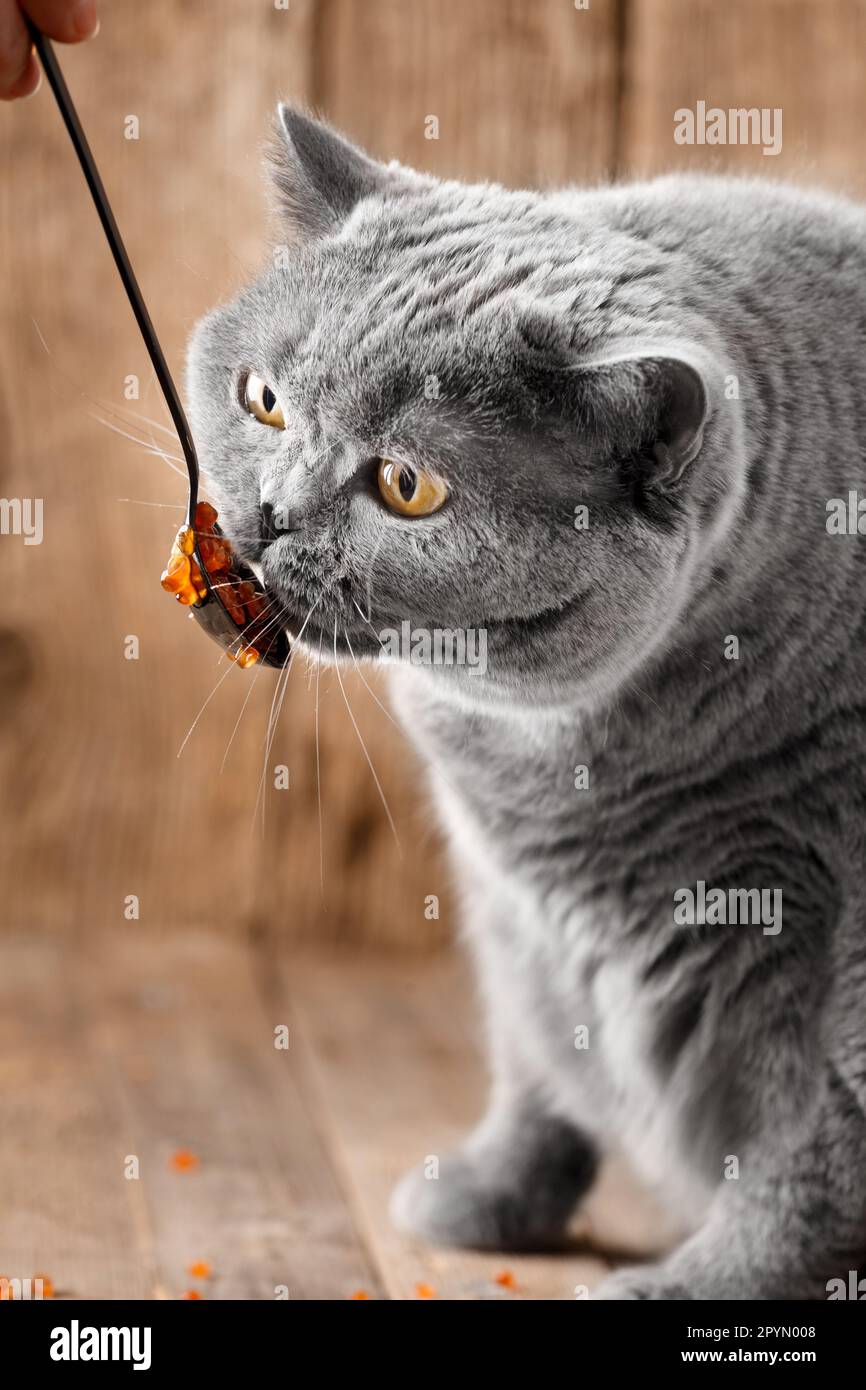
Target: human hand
{"points": [[68, 21]]}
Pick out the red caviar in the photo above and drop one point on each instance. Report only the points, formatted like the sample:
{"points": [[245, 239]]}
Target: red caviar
{"points": [[183, 577], [183, 1161]]}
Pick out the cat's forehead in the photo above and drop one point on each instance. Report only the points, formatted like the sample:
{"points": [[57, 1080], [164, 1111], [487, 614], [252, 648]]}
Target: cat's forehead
{"points": [[446, 262], [375, 296], [424, 272]]}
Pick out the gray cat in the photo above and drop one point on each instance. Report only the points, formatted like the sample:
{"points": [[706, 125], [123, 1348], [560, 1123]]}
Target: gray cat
{"points": [[615, 432]]}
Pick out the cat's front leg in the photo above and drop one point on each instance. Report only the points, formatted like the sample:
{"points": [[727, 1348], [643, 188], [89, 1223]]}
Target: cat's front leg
{"points": [[512, 1185], [794, 1220], [516, 1180]]}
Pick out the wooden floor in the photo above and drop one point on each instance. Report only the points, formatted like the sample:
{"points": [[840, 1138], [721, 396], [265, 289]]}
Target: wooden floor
{"points": [[117, 1057]]}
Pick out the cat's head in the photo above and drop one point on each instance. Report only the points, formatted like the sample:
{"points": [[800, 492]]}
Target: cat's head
{"points": [[429, 416]]}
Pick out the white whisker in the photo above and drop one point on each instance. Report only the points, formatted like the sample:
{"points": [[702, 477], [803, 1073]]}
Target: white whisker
{"points": [[367, 621], [39, 334], [203, 708], [388, 715], [273, 719], [146, 420], [369, 583], [116, 414], [364, 747], [281, 681], [143, 444], [319, 774], [240, 716], [139, 501]]}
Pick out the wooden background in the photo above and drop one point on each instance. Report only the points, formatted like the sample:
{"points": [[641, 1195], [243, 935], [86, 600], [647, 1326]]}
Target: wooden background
{"points": [[96, 804]]}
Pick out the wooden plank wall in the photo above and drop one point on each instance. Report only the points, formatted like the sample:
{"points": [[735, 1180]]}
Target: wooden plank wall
{"points": [[96, 804]]}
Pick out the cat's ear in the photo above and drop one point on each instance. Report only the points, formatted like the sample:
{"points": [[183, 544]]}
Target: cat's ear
{"points": [[319, 177], [650, 407], [642, 404]]}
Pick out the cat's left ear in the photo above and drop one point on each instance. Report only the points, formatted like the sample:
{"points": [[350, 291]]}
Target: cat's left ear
{"points": [[319, 177], [652, 406], [644, 405]]}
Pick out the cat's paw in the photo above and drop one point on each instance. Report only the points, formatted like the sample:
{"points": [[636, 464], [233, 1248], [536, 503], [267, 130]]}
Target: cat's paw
{"points": [[637, 1282], [461, 1207]]}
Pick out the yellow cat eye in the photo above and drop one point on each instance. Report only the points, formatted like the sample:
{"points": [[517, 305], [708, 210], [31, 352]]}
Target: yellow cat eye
{"points": [[261, 402], [410, 491]]}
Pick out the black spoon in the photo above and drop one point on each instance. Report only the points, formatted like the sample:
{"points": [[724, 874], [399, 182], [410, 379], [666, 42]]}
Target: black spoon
{"points": [[271, 642]]}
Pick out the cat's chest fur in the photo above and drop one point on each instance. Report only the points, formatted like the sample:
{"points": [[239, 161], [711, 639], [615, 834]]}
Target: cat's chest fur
{"points": [[632, 1024]]}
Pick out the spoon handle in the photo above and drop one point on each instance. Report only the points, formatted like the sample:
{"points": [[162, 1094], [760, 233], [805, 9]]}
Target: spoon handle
{"points": [[49, 62]]}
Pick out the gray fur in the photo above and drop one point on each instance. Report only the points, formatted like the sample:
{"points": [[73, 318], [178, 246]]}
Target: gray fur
{"points": [[585, 346]]}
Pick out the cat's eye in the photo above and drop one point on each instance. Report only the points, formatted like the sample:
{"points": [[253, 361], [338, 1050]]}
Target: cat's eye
{"points": [[261, 401], [408, 490]]}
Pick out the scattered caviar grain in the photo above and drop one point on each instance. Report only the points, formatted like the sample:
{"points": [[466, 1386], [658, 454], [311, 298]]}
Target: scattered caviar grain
{"points": [[505, 1279], [183, 1161], [425, 1291], [192, 1293], [199, 1270], [360, 1293]]}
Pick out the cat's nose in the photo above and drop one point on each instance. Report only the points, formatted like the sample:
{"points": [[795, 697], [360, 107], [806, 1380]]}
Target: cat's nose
{"points": [[268, 528], [276, 519]]}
